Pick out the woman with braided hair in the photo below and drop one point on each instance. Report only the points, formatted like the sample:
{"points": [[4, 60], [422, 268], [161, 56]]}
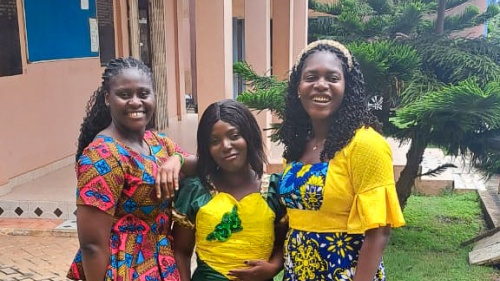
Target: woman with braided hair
{"points": [[338, 184], [123, 221]]}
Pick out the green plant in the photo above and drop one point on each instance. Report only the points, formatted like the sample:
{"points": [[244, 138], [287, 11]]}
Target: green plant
{"points": [[428, 247], [435, 89]]}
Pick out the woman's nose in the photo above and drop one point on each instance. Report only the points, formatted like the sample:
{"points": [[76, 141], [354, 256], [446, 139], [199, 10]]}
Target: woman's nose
{"points": [[135, 100], [321, 84], [226, 144]]}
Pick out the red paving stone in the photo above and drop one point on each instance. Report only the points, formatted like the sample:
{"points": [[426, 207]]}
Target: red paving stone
{"points": [[33, 227], [34, 258]]}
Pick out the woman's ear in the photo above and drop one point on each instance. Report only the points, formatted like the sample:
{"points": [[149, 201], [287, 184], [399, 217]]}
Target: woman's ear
{"points": [[106, 96]]}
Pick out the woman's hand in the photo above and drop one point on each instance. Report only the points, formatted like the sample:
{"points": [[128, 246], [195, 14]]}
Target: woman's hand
{"points": [[167, 178], [258, 270]]}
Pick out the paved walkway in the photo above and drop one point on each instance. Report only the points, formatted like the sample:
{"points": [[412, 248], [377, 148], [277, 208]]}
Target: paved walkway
{"points": [[31, 258]]}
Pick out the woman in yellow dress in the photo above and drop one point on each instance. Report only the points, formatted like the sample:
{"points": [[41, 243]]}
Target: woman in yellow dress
{"points": [[338, 183], [232, 211]]}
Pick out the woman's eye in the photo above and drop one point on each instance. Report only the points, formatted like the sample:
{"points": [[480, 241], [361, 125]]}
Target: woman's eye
{"points": [[144, 94], [334, 78], [123, 94], [309, 78], [235, 136]]}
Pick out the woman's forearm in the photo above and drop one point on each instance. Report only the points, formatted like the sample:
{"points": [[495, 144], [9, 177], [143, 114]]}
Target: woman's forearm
{"points": [[184, 266], [371, 253]]}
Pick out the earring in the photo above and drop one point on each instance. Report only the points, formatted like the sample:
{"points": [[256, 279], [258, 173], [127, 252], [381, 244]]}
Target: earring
{"points": [[107, 104], [299, 96]]}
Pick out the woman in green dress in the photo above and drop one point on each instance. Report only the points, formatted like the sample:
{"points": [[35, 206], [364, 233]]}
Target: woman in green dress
{"points": [[231, 211]]}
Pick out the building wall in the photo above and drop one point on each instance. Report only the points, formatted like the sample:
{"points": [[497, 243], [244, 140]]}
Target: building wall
{"points": [[173, 76], [43, 108]]}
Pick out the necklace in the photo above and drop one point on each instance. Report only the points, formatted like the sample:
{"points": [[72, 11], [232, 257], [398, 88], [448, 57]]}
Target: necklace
{"points": [[317, 144]]}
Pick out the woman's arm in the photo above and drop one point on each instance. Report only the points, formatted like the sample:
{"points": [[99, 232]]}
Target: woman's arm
{"points": [[183, 245], [277, 256], [371, 252], [94, 232], [167, 178], [189, 167]]}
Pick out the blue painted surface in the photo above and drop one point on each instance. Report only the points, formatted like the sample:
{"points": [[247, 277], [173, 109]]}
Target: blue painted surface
{"points": [[58, 29]]}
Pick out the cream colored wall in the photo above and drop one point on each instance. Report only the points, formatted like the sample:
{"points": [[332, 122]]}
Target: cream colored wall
{"points": [[44, 106], [42, 112], [170, 31], [214, 56], [121, 29], [186, 45], [239, 8]]}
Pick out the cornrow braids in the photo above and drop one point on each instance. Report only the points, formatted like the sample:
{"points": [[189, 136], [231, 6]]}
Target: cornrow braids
{"points": [[352, 114], [98, 116]]}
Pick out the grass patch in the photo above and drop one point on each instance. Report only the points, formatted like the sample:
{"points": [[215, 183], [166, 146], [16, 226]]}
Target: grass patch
{"points": [[428, 247]]}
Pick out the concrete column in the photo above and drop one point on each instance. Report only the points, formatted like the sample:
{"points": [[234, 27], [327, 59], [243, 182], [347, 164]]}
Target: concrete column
{"points": [[300, 11], [175, 79], [282, 37], [213, 51], [180, 48], [258, 50]]}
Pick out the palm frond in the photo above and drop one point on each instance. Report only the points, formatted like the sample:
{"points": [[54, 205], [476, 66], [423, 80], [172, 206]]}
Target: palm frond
{"points": [[381, 7], [407, 21], [448, 117], [436, 171], [450, 64], [461, 21], [264, 92]]}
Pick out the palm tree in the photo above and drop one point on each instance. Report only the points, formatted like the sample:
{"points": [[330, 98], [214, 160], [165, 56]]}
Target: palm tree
{"points": [[428, 86]]}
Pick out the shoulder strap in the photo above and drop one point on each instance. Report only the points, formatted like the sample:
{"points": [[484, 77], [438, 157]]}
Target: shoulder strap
{"points": [[264, 185]]}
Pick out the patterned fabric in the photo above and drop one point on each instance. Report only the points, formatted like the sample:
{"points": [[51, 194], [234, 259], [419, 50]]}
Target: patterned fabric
{"points": [[303, 186], [330, 205], [203, 209], [120, 181], [323, 256]]}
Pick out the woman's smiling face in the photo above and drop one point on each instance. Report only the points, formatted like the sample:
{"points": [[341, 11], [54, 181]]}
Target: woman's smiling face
{"points": [[131, 99], [228, 148], [322, 84]]}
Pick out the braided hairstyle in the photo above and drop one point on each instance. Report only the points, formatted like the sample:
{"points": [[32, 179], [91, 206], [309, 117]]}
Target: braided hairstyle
{"points": [[98, 116], [352, 114]]}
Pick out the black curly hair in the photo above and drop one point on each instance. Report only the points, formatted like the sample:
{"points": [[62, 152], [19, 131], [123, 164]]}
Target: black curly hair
{"points": [[98, 116], [352, 114], [239, 116]]}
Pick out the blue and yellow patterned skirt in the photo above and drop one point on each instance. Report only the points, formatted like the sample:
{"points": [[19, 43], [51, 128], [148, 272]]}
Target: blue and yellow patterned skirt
{"points": [[323, 256]]}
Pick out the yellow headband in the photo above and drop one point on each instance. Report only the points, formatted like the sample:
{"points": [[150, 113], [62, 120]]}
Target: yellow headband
{"points": [[331, 43]]}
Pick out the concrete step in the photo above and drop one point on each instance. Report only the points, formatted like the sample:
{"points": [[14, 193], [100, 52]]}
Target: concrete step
{"points": [[51, 196], [433, 185]]}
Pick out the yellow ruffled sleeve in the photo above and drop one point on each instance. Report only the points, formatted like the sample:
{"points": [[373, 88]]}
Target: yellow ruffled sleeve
{"points": [[371, 170]]}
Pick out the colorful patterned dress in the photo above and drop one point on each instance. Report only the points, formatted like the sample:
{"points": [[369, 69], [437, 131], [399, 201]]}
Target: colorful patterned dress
{"points": [[120, 182], [228, 232], [331, 204]]}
